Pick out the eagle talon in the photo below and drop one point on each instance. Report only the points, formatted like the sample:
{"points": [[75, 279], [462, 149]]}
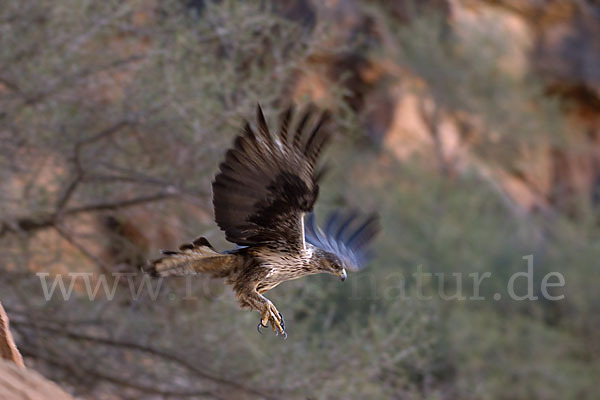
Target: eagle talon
{"points": [[282, 322], [260, 325], [271, 315], [277, 325]]}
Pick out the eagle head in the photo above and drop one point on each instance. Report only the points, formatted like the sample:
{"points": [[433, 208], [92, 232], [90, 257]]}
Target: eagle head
{"points": [[332, 264], [344, 244]]}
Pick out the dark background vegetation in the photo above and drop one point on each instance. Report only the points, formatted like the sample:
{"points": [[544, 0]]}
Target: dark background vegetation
{"points": [[473, 127]]}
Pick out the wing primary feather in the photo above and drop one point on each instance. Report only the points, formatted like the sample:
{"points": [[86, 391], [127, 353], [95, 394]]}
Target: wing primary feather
{"points": [[364, 233], [318, 233], [344, 226], [318, 137], [245, 144], [301, 125], [331, 221], [316, 149], [284, 124], [249, 132], [263, 129]]}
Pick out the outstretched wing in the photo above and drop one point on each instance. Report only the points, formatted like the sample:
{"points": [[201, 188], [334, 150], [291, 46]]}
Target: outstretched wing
{"points": [[347, 236], [267, 182]]}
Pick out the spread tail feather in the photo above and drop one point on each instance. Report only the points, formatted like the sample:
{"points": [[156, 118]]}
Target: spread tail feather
{"points": [[192, 258]]}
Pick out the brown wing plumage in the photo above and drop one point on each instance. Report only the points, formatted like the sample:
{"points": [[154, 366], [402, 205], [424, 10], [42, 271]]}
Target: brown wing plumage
{"points": [[267, 182]]}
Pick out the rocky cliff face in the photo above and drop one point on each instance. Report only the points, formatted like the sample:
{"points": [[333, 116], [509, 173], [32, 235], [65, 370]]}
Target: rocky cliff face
{"points": [[8, 349], [406, 99], [16, 381]]}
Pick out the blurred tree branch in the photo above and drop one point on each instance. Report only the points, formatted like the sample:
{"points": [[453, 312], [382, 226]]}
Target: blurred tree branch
{"points": [[166, 355], [30, 224]]}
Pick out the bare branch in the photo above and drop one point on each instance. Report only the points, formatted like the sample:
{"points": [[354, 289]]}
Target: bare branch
{"points": [[29, 224], [69, 238], [167, 355]]}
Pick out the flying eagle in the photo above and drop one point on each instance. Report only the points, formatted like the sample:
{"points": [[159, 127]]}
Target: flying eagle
{"points": [[265, 187]]}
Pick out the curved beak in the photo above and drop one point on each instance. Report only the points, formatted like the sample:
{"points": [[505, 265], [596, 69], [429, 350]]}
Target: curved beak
{"points": [[342, 274]]}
